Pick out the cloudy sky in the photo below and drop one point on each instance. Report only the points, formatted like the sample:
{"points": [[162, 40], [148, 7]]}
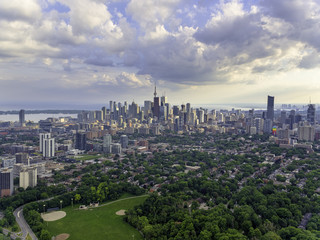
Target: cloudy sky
{"points": [[82, 52]]}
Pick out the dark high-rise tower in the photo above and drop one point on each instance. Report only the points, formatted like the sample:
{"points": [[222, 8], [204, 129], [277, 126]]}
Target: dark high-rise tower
{"points": [[156, 104], [81, 141], [21, 117], [311, 114], [270, 108], [6, 182]]}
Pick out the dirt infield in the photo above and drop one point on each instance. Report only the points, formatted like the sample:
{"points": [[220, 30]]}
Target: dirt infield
{"points": [[62, 236], [53, 216], [121, 212]]}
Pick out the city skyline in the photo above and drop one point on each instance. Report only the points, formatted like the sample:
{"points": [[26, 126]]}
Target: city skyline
{"points": [[66, 52]]}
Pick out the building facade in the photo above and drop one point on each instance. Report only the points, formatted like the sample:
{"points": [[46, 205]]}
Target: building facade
{"points": [[28, 177], [6, 182], [270, 108]]}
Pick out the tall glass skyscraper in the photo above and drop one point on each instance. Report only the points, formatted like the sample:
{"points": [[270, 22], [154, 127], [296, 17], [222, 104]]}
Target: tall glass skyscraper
{"points": [[270, 108], [311, 114], [21, 117]]}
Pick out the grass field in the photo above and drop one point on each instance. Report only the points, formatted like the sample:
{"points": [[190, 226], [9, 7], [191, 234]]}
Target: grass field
{"points": [[85, 157], [98, 223]]}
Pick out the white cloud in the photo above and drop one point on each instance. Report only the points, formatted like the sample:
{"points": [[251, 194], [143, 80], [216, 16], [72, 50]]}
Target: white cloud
{"points": [[16, 10], [151, 13], [120, 45]]}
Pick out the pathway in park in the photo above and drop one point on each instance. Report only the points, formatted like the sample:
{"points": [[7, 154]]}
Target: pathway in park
{"points": [[105, 204], [24, 226]]}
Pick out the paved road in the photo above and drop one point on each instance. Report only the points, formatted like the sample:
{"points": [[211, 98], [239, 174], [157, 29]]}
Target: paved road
{"points": [[25, 229]]}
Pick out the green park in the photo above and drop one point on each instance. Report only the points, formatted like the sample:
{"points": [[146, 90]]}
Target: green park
{"points": [[99, 222]]}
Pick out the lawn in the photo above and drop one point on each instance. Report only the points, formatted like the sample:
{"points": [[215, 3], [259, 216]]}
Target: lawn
{"points": [[86, 157], [98, 223]]}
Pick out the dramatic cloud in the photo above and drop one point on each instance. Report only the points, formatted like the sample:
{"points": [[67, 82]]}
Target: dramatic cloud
{"points": [[101, 50]]}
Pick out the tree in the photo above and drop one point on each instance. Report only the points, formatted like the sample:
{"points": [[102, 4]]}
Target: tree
{"points": [[44, 195], [102, 192], [271, 236], [77, 197], [8, 214], [205, 235], [44, 235]]}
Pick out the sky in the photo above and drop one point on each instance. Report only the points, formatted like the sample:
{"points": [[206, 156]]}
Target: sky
{"points": [[74, 53]]}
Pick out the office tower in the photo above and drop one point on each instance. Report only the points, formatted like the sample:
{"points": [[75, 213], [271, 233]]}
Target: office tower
{"points": [[298, 118], [6, 182], [125, 106], [48, 147], [28, 177], [188, 108], [116, 148], [200, 114], [253, 130], [92, 116], [270, 108], [134, 110], [175, 110], [306, 133], [291, 119], [83, 117], [22, 158], [163, 112], [124, 111], [193, 118], [81, 141], [168, 108], [259, 124], [156, 105], [124, 140], [147, 107], [104, 112], [283, 117], [283, 133], [183, 108], [99, 115], [221, 117], [141, 116], [251, 113], [21, 117], [107, 140], [115, 111], [42, 137], [163, 100], [119, 108], [176, 124], [111, 106], [267, 126], [45, 125], [214, 114], [181, 120], [311, 114]]}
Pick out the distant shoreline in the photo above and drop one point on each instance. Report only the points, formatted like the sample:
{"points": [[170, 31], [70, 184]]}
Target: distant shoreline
{"points": [[14, 112]]}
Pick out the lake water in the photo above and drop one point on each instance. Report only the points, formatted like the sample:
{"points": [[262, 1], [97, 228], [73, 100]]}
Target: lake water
{"points": [[34, 117]]}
